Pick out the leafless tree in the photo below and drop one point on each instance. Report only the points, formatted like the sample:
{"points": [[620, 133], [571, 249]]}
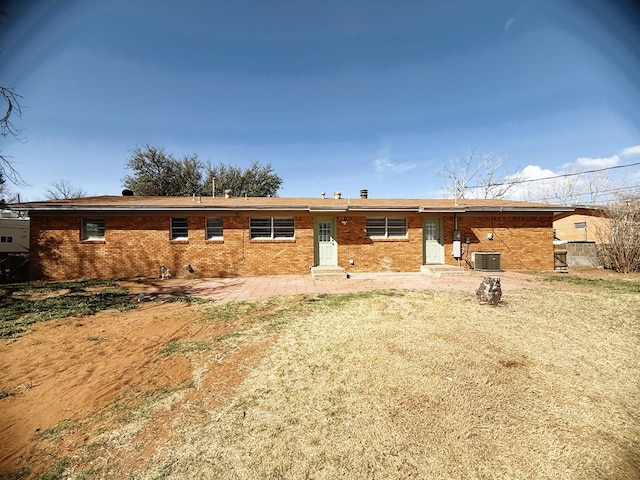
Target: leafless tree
{"points": [[62, 189], [619, 241], [572, 188], [477, 177], [11, 108]]}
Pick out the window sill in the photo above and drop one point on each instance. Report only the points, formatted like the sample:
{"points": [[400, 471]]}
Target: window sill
{"points": [[273, 240], [179, 242], [96, 242], [389, 239]]}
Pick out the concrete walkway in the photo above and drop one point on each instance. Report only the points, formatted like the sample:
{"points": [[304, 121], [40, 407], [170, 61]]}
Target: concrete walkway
{"points": [[262, 287]]}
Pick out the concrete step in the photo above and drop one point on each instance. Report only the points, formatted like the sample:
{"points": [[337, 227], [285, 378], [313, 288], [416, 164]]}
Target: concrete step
{"points": [[438, 271], [323, 272]]}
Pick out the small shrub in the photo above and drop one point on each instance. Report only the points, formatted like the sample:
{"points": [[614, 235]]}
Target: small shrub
{"points": [[57, 473], [184, 347], [54, 433], [4, 393]]}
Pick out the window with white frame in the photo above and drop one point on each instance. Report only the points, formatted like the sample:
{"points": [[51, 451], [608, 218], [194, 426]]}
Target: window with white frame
{"points": [[179, 228], [272, 228], [580, 224], [386, 227], [214, 228], [93, 229]]}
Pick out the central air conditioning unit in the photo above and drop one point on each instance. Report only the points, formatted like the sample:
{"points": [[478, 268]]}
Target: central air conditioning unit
{"points": [[487, 261]]}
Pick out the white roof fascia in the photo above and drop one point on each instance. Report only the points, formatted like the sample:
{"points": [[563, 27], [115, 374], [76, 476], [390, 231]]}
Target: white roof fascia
{"points": [[550, 208], [327, 209], [441, 210], [154, 208], [382, 209]]}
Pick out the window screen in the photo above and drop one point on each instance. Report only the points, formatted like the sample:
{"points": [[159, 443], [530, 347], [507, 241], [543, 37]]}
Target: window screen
{"points": [[93, 229], [214, 227], [272, 228], [386, 227], [179, 229]]}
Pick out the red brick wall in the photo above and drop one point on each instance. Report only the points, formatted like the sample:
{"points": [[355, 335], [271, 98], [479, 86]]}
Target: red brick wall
{"points": [[139, 245], [387, 255], [524, 241]]}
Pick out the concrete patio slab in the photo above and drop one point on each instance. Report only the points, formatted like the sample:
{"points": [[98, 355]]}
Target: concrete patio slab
{"points": [[259, 288]]}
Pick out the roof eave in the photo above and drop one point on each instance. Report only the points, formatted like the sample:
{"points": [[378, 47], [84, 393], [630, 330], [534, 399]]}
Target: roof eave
{"points": [[441, 210], [159, 208], [550, 208], [378, 208]]}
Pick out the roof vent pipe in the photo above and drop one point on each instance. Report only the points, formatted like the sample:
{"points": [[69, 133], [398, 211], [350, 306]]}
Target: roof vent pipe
{"points": [[227, 193], [364, 193], [337, 195]]}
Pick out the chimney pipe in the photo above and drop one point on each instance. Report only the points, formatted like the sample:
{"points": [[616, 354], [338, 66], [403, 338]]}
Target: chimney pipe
{"points": [[364, 193], [337, 195], [227, 193]]}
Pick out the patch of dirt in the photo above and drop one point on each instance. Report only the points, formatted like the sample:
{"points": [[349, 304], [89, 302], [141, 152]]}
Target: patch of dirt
{"points": [[73, 369]]}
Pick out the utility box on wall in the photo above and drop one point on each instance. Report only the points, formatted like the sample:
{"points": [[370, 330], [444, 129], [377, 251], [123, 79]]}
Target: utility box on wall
{"points": [[486, 261]]}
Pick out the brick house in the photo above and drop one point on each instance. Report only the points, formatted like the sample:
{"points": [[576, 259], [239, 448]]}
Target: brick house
{"points": [[131, 236], [582, 225], [578, 233]]}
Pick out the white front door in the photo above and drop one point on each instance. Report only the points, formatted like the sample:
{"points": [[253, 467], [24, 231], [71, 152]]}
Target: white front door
{"points": [[433, 242], [326, 245]]}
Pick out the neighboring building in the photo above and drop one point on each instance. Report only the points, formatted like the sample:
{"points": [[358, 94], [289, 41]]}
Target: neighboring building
{"points": [[581, 225], [578, 234], [14, 233], [14, 247], [133, 236]]}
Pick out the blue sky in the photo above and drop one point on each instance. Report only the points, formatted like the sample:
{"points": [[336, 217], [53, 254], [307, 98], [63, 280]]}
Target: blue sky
{"points": [[335, 95]]}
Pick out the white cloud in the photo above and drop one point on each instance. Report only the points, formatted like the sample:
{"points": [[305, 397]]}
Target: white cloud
{"points": [[508, 24], [532, 172], [386, 166], [531, 191], [635, 150], [606, 162], [384, 163]]}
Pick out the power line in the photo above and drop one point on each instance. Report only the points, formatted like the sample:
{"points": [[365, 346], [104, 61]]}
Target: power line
{"points": [[603, 193], [619, 189], [518, 182]]}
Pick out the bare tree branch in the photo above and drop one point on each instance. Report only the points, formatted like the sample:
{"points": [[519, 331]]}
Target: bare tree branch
{"points": [[62, 189], [619, 242], [477, 178], [11, 108], [586, 189]]}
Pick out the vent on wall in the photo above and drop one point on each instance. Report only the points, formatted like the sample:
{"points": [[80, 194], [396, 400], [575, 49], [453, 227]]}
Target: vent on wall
{"points": [[487, 261]]}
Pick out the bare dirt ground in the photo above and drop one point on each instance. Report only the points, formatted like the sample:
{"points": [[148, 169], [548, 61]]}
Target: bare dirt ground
{"points": [[89, 370], [71, 369]]}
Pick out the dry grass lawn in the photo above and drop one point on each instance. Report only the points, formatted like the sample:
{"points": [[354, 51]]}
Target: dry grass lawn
{"points": [[403, 384]]}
